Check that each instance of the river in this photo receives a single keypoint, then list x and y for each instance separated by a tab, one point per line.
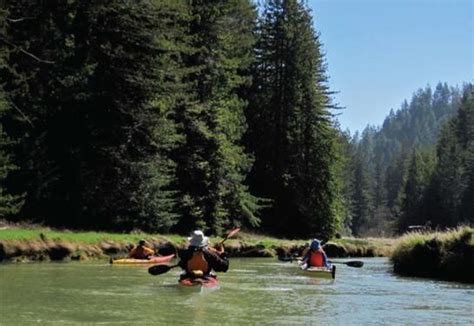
255	291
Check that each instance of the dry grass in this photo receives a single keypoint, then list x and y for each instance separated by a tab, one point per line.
447	255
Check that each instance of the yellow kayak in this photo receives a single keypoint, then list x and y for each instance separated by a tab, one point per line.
321	272
153	260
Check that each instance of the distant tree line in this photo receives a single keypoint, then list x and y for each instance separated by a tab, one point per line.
168	115
416	169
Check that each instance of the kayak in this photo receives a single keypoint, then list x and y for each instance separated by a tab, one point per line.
205	282
321	272
153	260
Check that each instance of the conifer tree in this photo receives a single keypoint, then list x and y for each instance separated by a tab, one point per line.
9	204
361	200
419	173
451	187
290	130
466	137
211	161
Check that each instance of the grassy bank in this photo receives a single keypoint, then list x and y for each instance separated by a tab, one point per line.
20	243
447	255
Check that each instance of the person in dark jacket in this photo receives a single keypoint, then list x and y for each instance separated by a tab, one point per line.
200	260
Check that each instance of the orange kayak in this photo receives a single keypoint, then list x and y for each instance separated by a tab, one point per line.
152	260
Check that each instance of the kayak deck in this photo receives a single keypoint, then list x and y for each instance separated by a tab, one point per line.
153	260
320	272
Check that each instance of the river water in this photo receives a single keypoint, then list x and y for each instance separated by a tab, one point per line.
255	291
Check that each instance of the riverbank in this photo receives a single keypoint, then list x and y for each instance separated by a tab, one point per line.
447	255
19	243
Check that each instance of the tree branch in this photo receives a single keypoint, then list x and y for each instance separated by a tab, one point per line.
21	112
26	52
17	20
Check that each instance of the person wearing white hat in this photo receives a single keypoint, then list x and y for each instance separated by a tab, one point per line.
199	260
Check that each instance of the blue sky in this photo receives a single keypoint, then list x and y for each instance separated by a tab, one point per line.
379	52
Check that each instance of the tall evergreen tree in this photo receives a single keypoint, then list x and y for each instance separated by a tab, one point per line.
419	173
450	200
362	207
9	204
466	137
290	130
211	162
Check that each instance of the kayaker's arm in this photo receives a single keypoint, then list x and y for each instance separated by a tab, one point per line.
325	260
217	263
149	252
217	249
132	252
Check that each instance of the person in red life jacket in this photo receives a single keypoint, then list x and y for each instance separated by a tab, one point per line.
199	260
141	251
315	256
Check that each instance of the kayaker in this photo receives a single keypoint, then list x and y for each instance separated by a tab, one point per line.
314	256
199	260
141	251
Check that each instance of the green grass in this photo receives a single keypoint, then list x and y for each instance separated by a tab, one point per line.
14	234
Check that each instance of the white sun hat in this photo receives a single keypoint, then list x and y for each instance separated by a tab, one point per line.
198	239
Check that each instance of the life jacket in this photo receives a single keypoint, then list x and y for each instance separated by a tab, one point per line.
198	263
316	259
141	252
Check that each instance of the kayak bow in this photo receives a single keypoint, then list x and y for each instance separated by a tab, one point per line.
207	282
320	272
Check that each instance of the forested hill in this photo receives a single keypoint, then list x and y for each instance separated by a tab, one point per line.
416	124
381	155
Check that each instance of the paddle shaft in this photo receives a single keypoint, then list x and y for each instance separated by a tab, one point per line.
352	263
230	234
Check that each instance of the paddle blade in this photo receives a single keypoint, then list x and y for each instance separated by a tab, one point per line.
285	258
355	263
159	269
230	234
233	232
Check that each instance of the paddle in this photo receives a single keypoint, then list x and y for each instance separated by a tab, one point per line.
230	234
286	258
352	263
161	269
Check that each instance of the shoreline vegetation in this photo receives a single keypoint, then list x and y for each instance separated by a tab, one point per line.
441	255
24	244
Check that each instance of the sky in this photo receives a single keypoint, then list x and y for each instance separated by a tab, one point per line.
379	52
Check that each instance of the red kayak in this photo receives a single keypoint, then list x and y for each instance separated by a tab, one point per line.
152	260
200	282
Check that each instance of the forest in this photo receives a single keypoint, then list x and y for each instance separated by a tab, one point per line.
170	115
